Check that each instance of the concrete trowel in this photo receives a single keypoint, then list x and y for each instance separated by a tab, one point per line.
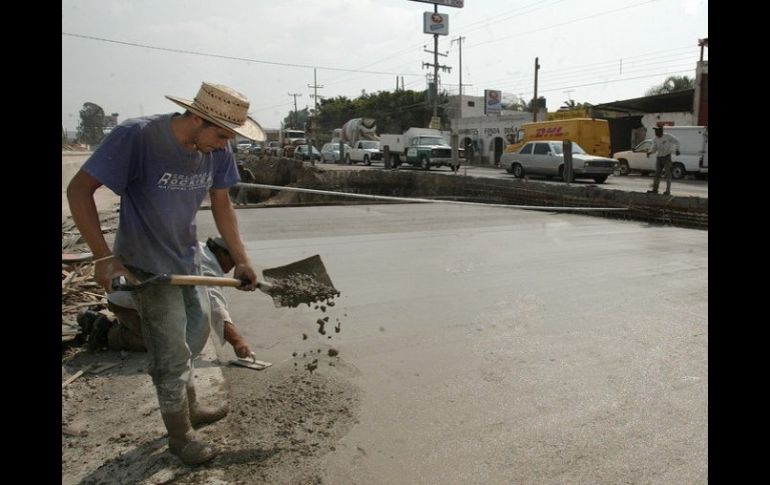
304	281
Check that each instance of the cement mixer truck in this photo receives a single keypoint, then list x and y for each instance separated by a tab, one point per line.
361	135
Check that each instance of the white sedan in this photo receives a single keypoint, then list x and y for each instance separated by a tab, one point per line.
330	152
546	158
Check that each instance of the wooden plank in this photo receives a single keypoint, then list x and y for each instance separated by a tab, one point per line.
97	368
74	376
76	257
79	305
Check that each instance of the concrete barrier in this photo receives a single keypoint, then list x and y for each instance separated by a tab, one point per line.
678	211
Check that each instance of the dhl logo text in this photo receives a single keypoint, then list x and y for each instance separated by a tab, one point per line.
548	132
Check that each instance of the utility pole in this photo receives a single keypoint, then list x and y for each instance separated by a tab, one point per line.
435	67
295	108
534	101
459	41
311	129
315	87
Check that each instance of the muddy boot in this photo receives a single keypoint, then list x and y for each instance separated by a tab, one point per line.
183	442
202	415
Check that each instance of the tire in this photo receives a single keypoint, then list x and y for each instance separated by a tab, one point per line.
623	167
424	163
517	170
678	171
600	179
348	160
366	160
455	168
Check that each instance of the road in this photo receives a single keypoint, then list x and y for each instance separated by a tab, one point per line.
497	345
688	187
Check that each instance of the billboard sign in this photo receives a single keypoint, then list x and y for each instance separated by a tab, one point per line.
446	3
493	102
435	23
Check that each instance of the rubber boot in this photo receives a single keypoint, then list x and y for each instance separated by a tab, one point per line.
183	442
202	415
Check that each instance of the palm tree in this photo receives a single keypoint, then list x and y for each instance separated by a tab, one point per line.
672	84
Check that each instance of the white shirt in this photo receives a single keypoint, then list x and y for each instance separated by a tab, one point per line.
664	145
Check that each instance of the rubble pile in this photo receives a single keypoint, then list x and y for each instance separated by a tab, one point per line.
79	291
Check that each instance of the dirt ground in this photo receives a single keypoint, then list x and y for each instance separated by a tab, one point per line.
282	421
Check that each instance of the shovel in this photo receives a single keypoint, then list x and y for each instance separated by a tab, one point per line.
304	281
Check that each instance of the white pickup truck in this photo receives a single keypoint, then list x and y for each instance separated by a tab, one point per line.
363	151
421	147
692	158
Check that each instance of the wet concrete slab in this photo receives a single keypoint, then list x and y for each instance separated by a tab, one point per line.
497	345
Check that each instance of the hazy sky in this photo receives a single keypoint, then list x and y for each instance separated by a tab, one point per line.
125	55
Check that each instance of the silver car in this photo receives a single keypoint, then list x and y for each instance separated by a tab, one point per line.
546	158
330	152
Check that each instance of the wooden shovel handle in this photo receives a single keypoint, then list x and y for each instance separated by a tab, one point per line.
204	280
214	281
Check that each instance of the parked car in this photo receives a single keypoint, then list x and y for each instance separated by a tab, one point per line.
330	152
273	148
255	149
363	151
636	159
243	146
302	152
546	158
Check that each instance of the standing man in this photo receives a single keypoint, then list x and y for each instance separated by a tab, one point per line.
163	166
663	145
247	176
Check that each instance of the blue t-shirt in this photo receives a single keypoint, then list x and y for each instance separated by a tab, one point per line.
161	185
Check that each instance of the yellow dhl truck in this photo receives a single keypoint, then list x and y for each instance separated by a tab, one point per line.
591	134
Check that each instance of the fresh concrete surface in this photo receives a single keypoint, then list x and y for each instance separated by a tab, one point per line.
499	345
489	345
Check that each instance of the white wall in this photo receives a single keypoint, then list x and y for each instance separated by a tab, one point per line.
487	128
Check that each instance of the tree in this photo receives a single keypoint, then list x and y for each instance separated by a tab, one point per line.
511	102
571	104
297	120
671	84
394	111
540	104
91	127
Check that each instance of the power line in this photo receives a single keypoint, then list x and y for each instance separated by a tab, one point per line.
581	67
220	56
612	81
562	23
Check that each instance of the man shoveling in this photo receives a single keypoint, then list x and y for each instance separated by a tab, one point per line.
125	333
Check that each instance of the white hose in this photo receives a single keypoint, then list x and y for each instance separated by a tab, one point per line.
435	201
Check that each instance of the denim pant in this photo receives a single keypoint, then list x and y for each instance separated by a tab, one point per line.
175	327
660	164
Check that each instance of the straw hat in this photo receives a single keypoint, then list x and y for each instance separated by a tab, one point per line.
225	107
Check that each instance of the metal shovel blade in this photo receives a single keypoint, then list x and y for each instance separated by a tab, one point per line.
304	281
